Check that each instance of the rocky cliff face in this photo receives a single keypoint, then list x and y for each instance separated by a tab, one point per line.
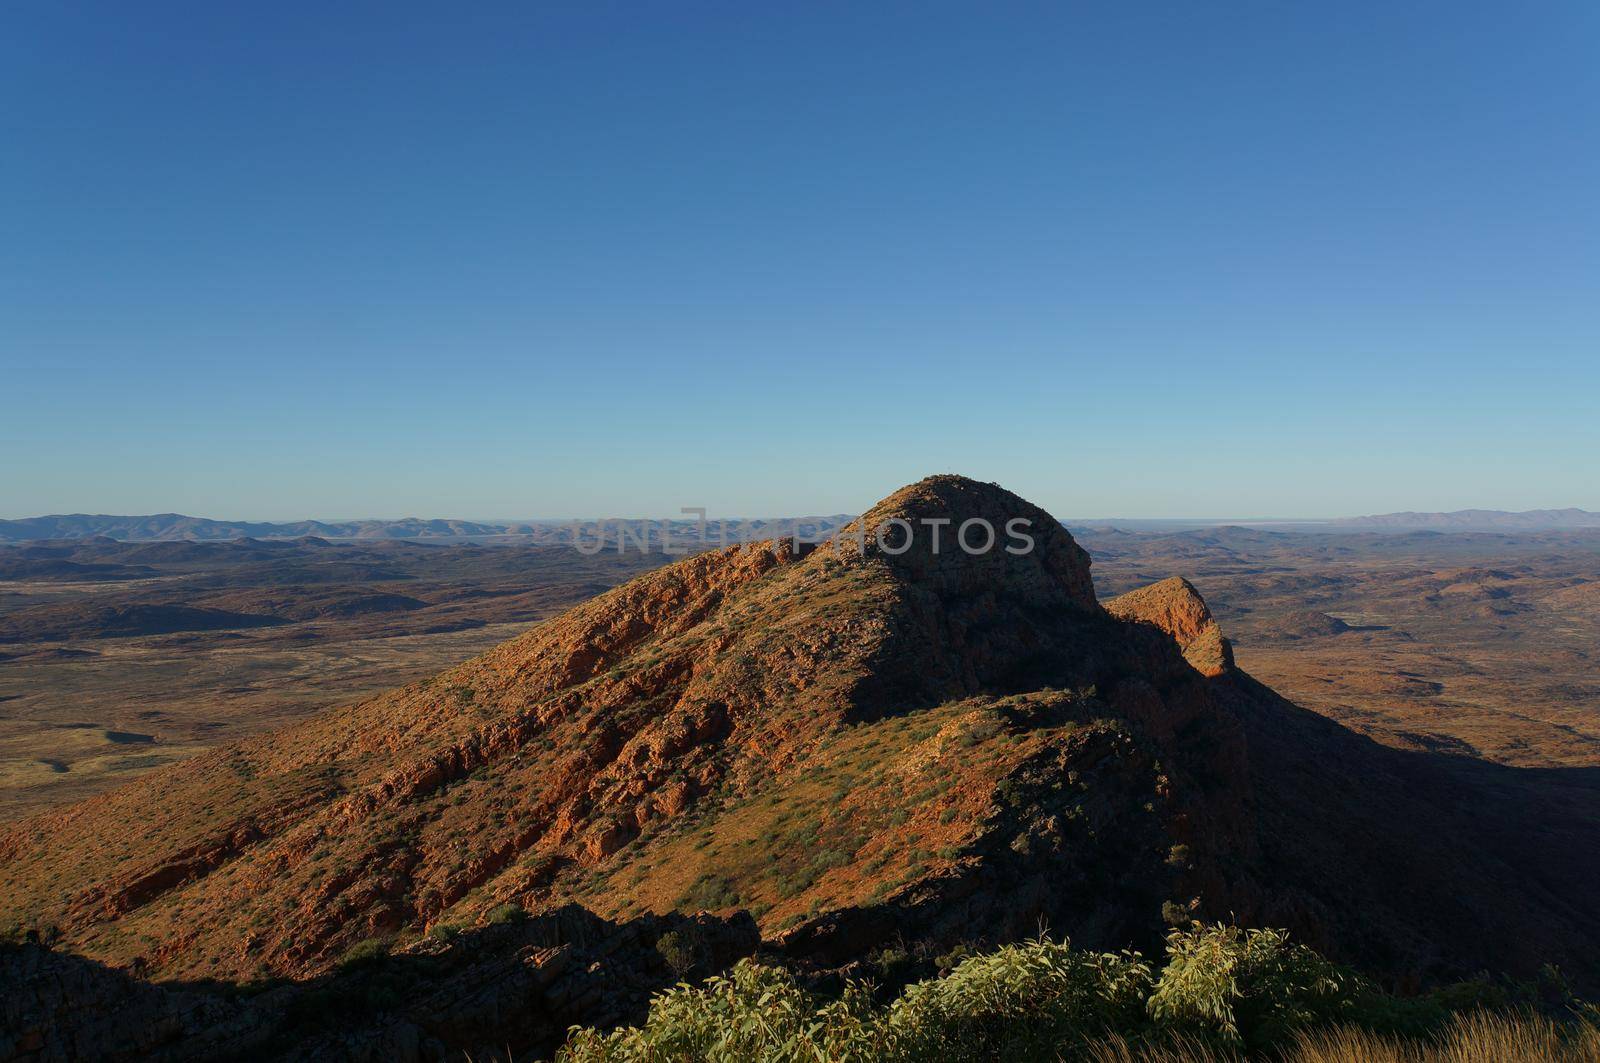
1175	607
877	740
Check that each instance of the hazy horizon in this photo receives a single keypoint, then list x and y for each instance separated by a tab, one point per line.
1067	518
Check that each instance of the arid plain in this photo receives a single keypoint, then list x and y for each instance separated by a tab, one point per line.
174	647
1477	643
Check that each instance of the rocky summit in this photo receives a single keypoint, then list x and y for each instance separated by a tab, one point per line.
815	751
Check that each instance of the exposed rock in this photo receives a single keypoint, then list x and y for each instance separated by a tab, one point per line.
1174	606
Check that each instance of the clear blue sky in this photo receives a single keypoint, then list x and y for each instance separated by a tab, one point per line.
490	260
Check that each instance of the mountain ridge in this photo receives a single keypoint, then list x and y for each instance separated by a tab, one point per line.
1477	519
177	527
161	527
855	747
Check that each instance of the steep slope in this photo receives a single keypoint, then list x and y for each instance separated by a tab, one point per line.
867	743
518	775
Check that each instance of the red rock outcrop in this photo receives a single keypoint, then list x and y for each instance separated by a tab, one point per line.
1174	606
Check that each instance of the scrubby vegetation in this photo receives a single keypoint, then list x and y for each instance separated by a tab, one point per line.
1223	993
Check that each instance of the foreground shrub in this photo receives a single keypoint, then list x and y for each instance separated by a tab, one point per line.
1017	1003
1247	987
1021	1002
1225	994
754	1013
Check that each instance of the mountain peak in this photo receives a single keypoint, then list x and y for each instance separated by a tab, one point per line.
967	536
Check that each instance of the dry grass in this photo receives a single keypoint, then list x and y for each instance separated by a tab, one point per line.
1476	1038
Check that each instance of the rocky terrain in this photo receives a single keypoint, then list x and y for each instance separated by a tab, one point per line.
846	753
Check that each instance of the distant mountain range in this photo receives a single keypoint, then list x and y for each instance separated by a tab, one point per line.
164	526
169	527
176	526
1475	519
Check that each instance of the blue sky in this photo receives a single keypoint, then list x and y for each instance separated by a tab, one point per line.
515	260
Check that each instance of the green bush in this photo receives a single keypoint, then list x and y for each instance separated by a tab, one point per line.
1018	1003
501	914
1232	989
1247	986
680	951
709	893
754	1013
365	953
